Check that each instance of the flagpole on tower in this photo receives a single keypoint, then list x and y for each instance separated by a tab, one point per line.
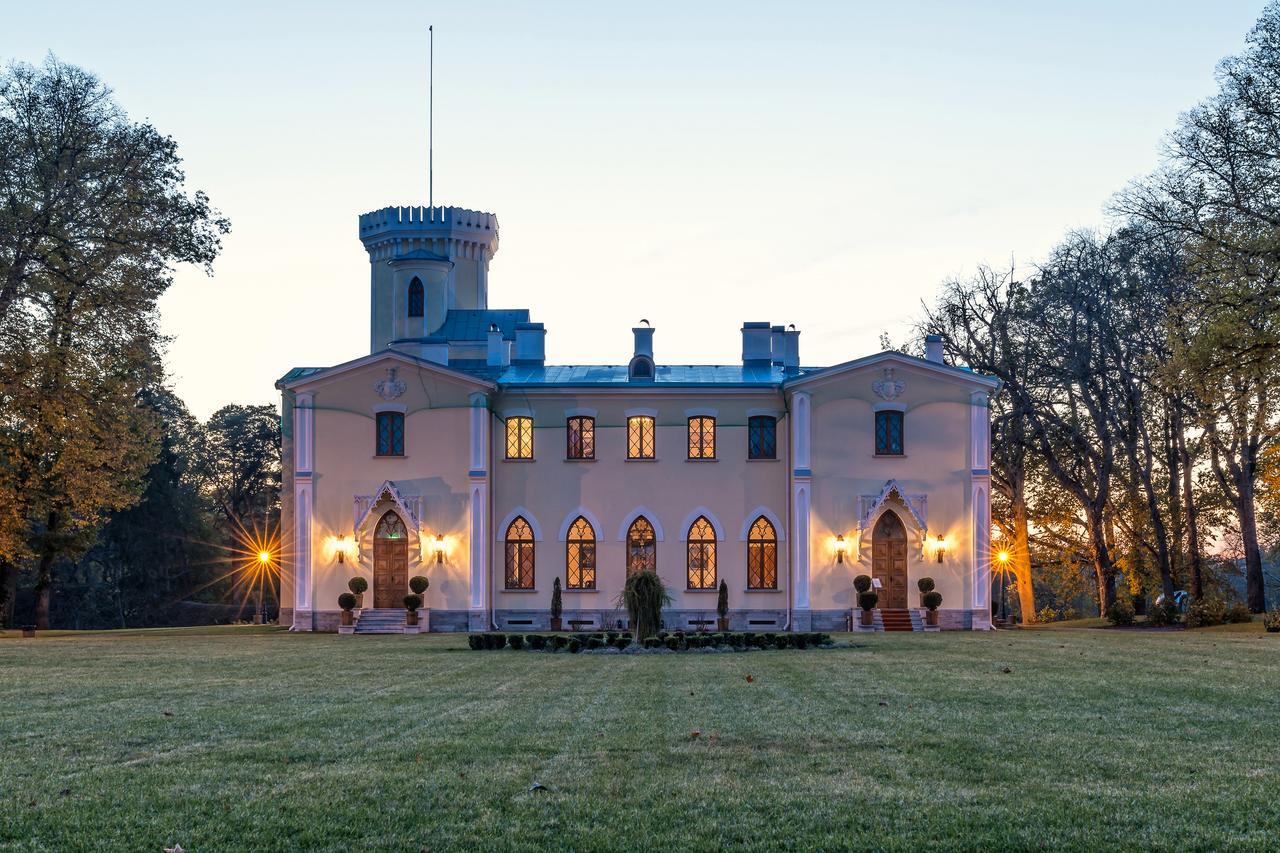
431	115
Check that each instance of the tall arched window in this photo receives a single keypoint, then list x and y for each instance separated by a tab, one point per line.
580	555
519	554
642	547
702	554
762	555
415	298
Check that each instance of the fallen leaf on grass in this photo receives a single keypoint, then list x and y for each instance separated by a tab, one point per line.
1006	669
750	679
695	734
884	704
714	739
168	713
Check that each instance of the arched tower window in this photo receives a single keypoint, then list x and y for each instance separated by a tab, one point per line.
519	554
642	547
580	555
762	555
702	554
416	298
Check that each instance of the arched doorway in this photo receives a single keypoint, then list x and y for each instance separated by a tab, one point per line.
889	560
390	561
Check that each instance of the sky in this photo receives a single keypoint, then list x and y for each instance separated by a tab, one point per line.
694	164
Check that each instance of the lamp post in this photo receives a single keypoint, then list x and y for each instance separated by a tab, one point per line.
264	562
1003	559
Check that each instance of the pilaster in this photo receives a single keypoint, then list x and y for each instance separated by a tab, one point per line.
801	499
980	501
303	510
478	511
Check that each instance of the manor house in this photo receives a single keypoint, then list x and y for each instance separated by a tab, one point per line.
453	450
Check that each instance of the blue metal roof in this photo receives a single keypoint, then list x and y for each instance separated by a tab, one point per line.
667	375
470	324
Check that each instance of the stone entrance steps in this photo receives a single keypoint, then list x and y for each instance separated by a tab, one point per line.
389	620
899	620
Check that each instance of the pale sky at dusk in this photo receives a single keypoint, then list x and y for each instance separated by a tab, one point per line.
823	164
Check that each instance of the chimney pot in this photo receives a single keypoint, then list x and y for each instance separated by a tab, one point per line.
531	344
933	348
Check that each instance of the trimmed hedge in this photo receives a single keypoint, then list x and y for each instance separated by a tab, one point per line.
675	641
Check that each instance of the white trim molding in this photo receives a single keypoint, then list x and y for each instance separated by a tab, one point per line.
633	515
693	516
500	534
391	407
701	412
569	519
751	517
889	407
579	412
641	412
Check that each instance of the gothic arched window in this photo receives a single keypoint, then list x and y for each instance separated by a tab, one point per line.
580	555
642	547
416	298
702	554
762	555
519	554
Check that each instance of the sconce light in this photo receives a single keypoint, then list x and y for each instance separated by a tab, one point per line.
342	549
439	548
940	547
840	548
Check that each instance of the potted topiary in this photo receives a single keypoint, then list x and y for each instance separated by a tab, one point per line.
862	583
722	607
419	585
926	586
932	600
347	602
867	601
412	602
358	586
557	606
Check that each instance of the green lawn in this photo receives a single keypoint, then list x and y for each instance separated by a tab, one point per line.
253	738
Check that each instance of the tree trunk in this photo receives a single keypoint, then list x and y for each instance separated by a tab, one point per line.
1255	591
43	590
1103	570
1189	501
1021	557
8	592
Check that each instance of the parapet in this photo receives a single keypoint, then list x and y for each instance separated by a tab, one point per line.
456	223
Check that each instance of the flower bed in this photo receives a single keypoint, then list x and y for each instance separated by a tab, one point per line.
663	642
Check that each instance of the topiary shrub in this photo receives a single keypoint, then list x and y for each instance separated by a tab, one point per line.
475	641
515	641
673	642
781	641
862	583
621	642
867	599
412	601
358	585
800	641
347	601
557	600
824	639
595	643
722	601
610	636
1271	622
652	643
537	642
644	596
1163	614
419	584
494	641
558	642
925	584
575	645
932	599
1121	612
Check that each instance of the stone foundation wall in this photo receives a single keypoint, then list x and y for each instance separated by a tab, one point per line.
955	620
286	616
612	620
450	621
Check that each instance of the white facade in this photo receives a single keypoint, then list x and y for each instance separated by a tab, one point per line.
509	473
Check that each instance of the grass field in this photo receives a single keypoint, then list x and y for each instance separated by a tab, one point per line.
253	738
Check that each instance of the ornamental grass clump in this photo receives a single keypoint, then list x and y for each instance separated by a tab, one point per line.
644	596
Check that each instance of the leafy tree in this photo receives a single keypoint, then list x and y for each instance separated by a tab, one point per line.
239	465
93	217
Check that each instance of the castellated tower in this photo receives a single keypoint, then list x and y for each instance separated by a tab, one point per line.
424	262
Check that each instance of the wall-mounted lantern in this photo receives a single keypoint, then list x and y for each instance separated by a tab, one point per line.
439	548
341	548
939	547
840	548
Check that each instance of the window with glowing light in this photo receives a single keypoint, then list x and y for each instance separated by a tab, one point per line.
702	438
580	555
580	434
390	428
416	299
642	547
762	555
519	574
520	438
762	437
640	444
889	433
702	554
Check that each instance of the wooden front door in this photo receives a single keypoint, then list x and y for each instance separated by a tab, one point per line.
889	560
390	562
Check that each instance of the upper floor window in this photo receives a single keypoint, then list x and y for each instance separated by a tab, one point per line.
390	428
642	547
640	437
580	433
580	555
416	298
702	554
889	433
520	438
519	573
762	555
702	438
762	437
